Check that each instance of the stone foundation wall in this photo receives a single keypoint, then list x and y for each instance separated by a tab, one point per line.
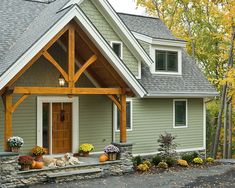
12	177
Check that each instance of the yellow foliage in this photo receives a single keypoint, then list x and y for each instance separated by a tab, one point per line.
198	160
143	167
182	163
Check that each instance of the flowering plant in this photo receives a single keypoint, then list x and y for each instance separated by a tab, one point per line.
25	160
198	160
15	141
111	149
86	147
38	150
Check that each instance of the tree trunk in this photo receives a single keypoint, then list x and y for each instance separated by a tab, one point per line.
230	124
225	130
218	129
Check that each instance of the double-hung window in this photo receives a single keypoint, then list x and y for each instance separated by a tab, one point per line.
166	61
180	113
128	116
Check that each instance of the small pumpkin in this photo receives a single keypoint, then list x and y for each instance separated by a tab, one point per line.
39	165
33	164
103	158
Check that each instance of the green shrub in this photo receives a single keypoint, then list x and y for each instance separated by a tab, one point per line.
189	157
162	165
156	160
137	161
167	145
170	161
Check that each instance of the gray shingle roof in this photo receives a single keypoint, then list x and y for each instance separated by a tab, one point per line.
191	81
22	23
149	26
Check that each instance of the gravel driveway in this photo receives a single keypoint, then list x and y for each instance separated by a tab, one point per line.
216	176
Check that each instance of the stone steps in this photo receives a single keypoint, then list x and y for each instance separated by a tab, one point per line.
74	175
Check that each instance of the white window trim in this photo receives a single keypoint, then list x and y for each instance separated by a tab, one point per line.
75	123
139	70
185	126
121	44
170	49
115	116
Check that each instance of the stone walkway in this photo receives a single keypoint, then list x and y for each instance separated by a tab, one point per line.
185	178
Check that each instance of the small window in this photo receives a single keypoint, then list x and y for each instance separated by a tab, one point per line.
117	48
180	113
128	116
166	61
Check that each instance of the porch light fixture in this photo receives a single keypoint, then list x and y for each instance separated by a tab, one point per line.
61	81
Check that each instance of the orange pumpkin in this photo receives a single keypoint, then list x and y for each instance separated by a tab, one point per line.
33	164
103	158
39	165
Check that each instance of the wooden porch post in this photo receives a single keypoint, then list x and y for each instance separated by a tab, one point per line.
71	56
123	119
8	120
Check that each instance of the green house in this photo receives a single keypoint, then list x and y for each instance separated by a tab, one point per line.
75	71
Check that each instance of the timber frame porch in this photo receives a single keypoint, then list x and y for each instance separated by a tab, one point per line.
95	65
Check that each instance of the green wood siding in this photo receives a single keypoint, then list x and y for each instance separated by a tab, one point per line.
109	34
152	117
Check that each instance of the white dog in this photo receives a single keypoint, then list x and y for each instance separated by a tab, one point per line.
68	158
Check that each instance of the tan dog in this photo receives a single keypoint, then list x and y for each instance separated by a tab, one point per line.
71	160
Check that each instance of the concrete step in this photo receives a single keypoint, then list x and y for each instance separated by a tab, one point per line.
74	173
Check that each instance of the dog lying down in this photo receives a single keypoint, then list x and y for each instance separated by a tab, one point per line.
68	159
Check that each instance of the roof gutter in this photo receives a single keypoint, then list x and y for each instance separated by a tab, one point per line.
181	95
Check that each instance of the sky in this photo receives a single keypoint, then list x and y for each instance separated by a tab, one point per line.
126	6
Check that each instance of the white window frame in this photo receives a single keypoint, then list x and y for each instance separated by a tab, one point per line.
121	44
75	122
175	100
115	116
169	49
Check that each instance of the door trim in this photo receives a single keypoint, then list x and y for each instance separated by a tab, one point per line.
75	114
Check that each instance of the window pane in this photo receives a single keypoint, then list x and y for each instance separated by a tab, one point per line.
117	49
160	60
180	113
128	116
46	123
172	61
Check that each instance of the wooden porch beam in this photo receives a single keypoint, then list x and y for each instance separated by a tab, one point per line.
68	91
14	107
123	119
57	66
91	60
115	101
8	120
71	56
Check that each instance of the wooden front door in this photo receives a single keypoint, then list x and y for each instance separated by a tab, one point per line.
61	127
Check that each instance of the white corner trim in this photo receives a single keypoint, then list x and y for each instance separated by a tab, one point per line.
165	48
204	122
91	31
185	126
178	150
121	45
115	110
136	48
75	122
162	42
139	70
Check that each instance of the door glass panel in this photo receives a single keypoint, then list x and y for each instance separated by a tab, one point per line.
46	125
